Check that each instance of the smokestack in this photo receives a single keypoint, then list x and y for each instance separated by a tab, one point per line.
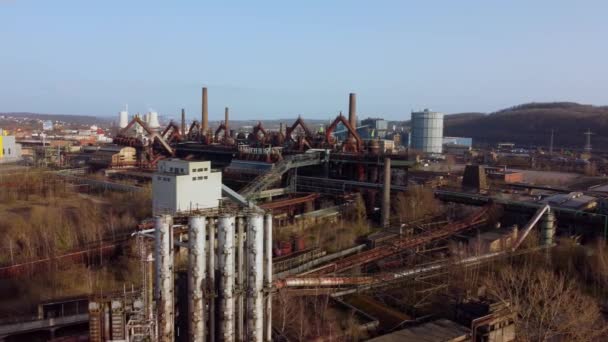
227	130
352	110
196	277
386	193
205	113
183	122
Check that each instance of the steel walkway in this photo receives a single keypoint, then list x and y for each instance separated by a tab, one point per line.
265	180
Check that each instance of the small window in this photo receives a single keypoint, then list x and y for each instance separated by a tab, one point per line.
199	170
205	177
193	170
9	150
170	169
200	177
194	178
160	178
182	171
206	169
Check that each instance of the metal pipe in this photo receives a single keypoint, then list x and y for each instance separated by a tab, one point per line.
205	113
183	122
255	249
226	267
324	281
240	273
226	129
196	277
528	227
386	193
211	279
268	276
164	260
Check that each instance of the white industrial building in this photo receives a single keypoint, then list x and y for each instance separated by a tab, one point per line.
427	132
10	151
181	185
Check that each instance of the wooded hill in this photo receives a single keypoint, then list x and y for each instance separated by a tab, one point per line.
531	124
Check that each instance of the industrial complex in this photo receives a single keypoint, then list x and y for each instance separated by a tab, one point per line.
349	230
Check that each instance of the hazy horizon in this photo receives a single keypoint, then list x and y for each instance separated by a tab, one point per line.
271	60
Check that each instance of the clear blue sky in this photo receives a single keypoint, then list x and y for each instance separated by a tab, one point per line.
277	59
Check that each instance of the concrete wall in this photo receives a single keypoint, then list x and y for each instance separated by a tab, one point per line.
10	151
181	185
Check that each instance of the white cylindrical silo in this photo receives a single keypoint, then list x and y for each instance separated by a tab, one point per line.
427	131
196	277
164	279
255	259
153	120
268	276
240	278
225	230
123	119
211	227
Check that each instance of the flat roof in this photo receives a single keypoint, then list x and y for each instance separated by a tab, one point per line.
441	330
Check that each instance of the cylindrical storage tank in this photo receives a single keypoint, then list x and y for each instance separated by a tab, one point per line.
547	228
197	238
427	131
123	119
226	230
255	265
268	276
153	120
164	278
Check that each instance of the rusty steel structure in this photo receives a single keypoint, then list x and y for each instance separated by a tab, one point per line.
401	244
153	146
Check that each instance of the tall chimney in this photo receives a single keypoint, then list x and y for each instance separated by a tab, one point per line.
205	113
227	130
386	194
352	110
183	122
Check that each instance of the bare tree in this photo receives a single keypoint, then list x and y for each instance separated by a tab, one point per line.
547	305
414	204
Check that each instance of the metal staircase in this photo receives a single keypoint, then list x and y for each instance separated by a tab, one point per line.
266	179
